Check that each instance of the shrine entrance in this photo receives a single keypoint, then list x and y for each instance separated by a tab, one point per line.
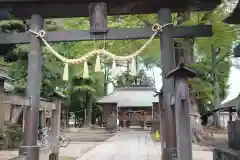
136	117
165	30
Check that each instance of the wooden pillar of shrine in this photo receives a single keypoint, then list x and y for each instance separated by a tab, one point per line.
182	99
168	61
35	61
55	127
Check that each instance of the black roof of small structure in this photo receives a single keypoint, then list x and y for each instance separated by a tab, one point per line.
225	107
79	8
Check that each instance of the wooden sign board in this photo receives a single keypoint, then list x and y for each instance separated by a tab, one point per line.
98	17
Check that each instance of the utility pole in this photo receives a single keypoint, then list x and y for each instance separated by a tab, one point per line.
216	101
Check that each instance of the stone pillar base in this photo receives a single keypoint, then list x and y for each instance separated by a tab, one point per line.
169	154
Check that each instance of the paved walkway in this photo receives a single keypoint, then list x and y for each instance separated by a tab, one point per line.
126	145
131	145
75	150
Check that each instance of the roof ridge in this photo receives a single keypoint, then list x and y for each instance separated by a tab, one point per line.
134	89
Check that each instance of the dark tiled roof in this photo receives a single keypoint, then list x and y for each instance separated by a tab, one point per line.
4	74
232	103
131	97
8	87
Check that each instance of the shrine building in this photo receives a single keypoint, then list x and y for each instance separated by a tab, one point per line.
134	106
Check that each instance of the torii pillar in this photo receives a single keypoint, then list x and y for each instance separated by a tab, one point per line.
35	61
168	135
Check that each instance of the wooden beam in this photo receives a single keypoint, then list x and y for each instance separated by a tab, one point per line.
74	8
113	34
24	101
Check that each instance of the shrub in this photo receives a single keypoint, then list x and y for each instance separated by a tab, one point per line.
14	135
2	139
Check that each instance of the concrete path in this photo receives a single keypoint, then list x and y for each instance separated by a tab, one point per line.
126	145
75	150
132	145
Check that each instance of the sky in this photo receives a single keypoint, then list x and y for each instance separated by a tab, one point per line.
233	90
234	86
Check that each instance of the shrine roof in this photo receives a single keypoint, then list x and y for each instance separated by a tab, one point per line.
79	8
131	97
4	74
231	103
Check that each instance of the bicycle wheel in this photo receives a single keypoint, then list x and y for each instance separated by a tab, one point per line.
66	137
39	144
61	141
66	140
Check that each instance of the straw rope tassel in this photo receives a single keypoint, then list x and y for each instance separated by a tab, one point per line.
133	67
114	68
65	72
98	64
85	71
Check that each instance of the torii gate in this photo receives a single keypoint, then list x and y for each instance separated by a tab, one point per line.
37	9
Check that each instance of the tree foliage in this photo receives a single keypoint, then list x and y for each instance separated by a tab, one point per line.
140	80
80	91
224	37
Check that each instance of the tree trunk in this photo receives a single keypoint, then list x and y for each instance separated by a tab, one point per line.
89	109
127	76
105	80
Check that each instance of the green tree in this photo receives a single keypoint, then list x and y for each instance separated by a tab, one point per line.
140	80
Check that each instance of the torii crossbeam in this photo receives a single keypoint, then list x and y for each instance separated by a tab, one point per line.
112	34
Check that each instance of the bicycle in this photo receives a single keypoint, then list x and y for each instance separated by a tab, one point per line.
45	138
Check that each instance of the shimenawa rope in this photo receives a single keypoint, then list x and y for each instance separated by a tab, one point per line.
156	28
